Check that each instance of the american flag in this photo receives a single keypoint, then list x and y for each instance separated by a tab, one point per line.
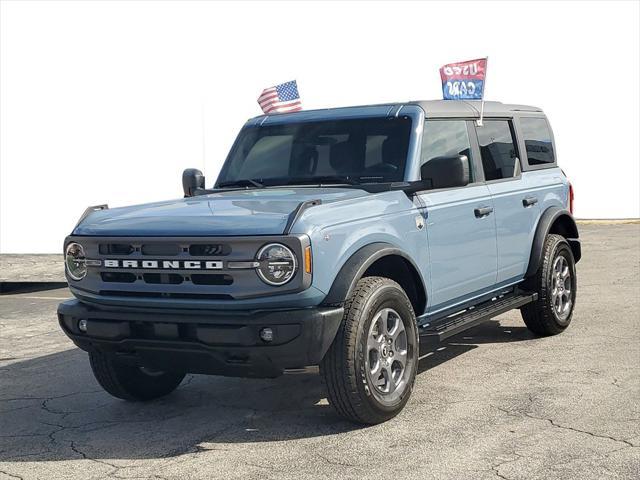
283	98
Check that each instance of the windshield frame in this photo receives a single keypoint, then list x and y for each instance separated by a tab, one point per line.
414	112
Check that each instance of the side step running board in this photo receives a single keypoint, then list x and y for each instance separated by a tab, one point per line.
474	316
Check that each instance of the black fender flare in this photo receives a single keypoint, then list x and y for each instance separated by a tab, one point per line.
355	267
546	222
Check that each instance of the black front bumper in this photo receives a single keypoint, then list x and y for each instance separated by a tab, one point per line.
213	342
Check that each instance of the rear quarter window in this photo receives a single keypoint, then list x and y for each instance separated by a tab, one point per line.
537	140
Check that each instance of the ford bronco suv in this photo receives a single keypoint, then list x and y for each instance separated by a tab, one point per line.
341	238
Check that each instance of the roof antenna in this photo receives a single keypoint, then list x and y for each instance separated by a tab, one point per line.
204	144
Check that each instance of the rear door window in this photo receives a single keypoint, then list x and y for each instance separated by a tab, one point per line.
498	149
537	139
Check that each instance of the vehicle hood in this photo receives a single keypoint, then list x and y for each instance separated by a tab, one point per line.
240	212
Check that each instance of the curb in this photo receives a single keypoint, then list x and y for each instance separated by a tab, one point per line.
609	221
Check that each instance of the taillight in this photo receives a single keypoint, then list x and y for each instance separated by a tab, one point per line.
571	198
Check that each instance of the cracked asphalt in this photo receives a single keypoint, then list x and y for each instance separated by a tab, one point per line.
494	402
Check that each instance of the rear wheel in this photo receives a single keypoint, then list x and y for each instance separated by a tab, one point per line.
371	365
556	284
130	382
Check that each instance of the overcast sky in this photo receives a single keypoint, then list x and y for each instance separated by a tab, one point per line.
107	102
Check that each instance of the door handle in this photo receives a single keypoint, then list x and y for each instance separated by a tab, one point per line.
529	201
482	211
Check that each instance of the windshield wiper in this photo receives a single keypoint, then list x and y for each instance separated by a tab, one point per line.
245	182
320	180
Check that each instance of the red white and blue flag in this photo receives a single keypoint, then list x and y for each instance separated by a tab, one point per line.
283	98
464	80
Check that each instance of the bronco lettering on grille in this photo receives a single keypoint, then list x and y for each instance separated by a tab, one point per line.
165	264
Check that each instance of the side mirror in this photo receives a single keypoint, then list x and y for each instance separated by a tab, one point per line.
192	181
445	172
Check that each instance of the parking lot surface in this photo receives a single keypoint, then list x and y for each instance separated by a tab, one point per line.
493	402
31	268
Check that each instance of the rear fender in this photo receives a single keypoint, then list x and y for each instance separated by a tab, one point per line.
553	220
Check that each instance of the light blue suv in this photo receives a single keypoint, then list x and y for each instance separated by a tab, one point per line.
340	238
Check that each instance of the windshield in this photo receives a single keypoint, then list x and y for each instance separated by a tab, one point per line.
368	150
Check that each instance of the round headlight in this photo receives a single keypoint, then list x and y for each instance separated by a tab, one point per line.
277	264
75	261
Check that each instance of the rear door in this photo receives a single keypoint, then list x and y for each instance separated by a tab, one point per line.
515	201
460	225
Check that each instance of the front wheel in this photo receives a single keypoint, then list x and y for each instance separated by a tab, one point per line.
370	368
556	284
130	382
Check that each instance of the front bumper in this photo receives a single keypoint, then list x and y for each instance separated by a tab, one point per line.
209	342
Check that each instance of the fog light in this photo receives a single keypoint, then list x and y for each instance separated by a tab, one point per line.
266	334
82	325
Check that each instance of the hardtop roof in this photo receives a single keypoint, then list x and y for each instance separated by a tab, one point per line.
432	109
449	108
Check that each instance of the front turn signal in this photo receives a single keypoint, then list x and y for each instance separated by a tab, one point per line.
307	260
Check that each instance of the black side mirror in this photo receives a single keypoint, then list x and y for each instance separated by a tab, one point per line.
192	181
445	172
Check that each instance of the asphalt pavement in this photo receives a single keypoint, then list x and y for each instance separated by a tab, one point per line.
493	402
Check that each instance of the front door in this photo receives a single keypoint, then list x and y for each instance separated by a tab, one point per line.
460	222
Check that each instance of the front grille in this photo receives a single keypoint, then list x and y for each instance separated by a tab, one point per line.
183	268
166	249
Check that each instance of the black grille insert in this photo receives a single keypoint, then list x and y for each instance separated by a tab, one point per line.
115	249
209	250
118	277
211	279
163	278
166	249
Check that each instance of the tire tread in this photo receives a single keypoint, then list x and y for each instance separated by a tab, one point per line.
128	382
537	315
338	367
106	376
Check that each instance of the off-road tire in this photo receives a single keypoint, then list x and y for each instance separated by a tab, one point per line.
129	382
541	316
343	366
